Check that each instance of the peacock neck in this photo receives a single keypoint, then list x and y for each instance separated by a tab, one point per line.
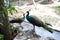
27	16
23	16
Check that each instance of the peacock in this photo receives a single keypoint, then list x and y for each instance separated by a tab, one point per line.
37	22
18	20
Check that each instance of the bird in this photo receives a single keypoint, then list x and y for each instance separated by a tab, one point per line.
37	22
18	20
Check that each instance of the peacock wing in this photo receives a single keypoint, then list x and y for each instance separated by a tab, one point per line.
38	21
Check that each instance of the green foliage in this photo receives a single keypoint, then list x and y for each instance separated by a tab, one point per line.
5	10
57	7
4	22
1	37
11	9
59	1
11	28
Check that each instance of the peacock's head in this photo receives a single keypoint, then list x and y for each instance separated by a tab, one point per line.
28	11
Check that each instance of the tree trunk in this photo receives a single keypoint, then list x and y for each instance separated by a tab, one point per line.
5	27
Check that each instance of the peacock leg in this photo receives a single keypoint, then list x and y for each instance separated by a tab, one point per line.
34	29
34	34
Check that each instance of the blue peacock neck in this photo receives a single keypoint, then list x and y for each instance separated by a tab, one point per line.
27	16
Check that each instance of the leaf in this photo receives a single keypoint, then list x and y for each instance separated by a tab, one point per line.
1	24
11	9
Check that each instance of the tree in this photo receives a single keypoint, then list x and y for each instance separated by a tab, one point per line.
4	18
4	22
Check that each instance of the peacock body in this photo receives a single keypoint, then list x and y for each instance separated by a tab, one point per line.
37	22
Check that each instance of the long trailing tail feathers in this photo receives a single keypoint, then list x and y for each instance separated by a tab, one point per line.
47	28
